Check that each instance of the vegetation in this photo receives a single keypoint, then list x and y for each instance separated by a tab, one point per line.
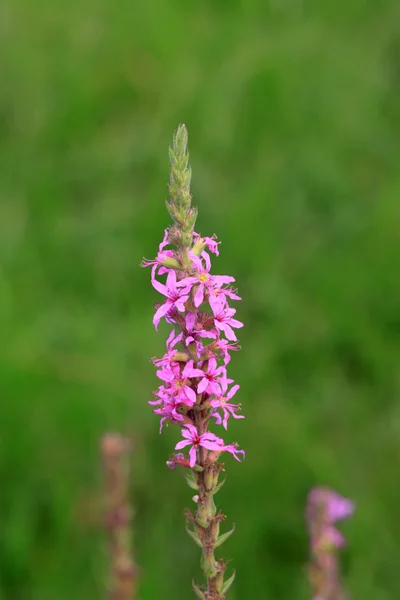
293	115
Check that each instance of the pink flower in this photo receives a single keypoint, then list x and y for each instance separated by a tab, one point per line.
223	345
195	331
203	277
223	318
334	506
222	402
175	297
160	394
210	380
339	508
220	294
177	459
233	449
210	242
170	411
171	351
179	384
193	439
324	508
162	255
331	537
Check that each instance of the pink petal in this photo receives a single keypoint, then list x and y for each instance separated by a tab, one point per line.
212	437
196	261
230	334
199	295
211	445
190	320
189	371
161	312
202	385
192	456
235	323
187	282
170	338
160	287
217	305
232	391
182	444
221	280
212	365
171	280
192	429
207	260
191	394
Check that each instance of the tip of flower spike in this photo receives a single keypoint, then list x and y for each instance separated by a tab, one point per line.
179	206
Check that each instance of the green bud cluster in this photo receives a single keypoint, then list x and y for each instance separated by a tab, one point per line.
180	204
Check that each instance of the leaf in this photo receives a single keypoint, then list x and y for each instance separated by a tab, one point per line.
194	537
222	538
198	592
228	583
218	487
191	482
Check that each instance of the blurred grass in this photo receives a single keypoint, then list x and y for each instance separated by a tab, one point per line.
293	116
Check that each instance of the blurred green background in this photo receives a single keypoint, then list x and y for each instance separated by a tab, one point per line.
293	114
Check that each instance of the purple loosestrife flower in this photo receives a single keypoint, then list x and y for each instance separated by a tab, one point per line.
203	279
179	381
324	508
170	356
192	437
195	331
212	378
209	441
195	387
165	259
223	318
208	242
175	297
221	402
224	346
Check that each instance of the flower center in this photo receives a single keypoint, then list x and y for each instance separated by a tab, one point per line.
203	277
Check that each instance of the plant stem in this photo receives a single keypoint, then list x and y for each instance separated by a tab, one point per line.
123	572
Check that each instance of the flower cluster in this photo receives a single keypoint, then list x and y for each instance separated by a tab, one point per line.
195	389
193	370
324	508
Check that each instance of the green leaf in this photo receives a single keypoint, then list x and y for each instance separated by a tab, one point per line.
194	537
222	538
198	592
228	583
218	487
191	482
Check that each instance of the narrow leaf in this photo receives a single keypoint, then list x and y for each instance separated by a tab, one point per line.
222	538
191	482
218	487
228	583
194	537
198	592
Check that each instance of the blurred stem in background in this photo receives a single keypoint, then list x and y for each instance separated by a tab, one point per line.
324	508
118	514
